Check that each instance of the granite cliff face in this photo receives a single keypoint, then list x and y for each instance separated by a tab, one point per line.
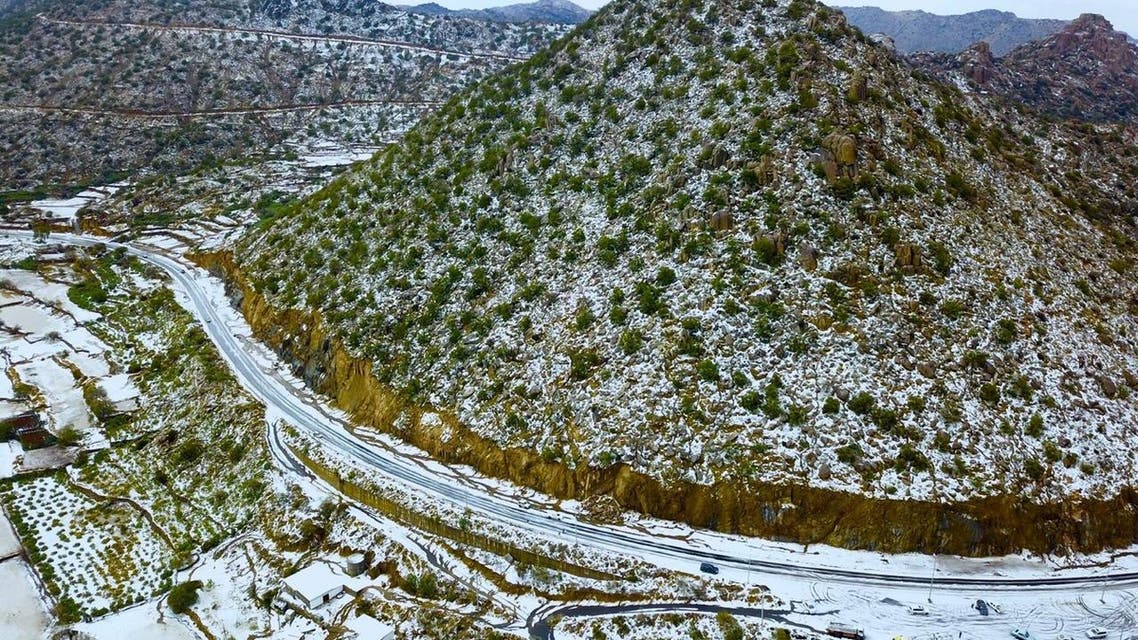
1087	71
914	31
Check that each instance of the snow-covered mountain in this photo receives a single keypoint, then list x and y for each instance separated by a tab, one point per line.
711	256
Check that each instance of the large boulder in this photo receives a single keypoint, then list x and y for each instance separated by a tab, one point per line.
907	257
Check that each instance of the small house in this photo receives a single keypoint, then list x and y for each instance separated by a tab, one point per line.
368	628
29	430
22	420
316	585
35	437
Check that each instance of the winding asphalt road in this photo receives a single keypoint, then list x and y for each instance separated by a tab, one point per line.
540	628
288	404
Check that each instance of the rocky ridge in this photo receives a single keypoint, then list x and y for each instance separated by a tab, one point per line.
737	245
1087	71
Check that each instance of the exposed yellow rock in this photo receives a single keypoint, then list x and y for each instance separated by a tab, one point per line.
843	147
805	514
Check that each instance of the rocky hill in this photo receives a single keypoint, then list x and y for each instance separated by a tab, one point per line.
716	257
1086	71
93	91
548	11
922	31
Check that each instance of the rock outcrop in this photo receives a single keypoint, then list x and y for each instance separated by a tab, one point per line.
1086	71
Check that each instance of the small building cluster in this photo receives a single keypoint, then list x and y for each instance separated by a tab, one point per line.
28	428
320	583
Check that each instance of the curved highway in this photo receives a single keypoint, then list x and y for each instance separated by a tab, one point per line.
285	401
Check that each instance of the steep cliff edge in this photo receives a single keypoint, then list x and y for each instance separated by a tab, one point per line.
993	526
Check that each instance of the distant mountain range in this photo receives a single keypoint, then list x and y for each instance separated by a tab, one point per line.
922	31
10	8
548	11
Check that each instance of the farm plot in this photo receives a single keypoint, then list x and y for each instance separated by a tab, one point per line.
48	347
94	555
172	465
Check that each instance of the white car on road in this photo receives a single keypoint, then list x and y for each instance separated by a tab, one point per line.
1096	633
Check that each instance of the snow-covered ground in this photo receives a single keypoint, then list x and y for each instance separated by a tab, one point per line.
6	391
9	408
331	154
48	292
9	452
120	389
66	209
9	544
26	319
146	621
109	554
46	343
223	601
22	614
881	609
64	400
90	365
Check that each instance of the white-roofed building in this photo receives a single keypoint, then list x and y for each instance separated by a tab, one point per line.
316	584
368	628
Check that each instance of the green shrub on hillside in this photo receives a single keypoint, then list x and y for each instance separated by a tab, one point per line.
183	596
